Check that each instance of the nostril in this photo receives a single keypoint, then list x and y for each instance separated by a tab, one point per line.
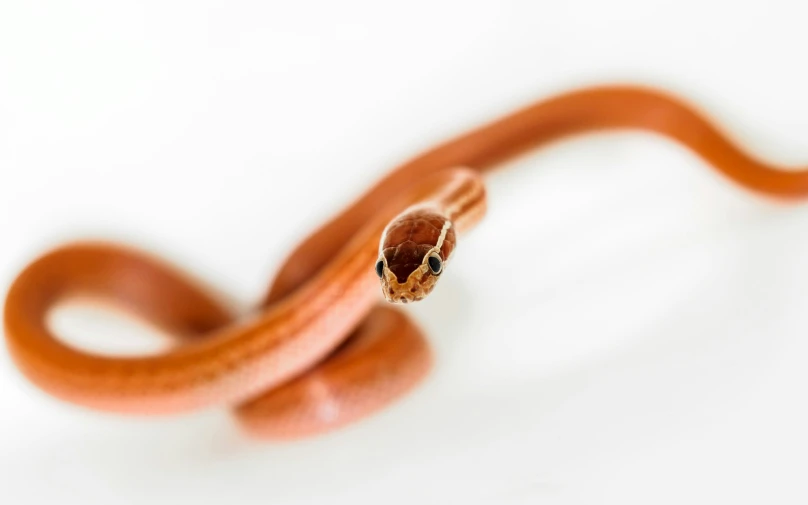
392	292
403	300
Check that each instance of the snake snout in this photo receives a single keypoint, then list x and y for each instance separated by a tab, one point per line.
397	293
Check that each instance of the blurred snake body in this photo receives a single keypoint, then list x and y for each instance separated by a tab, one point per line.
323	349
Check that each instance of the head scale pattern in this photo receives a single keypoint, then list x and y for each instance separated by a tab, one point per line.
415	248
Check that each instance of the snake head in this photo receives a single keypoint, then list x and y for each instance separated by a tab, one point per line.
414	250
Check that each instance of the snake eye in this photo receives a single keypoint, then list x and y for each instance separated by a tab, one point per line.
380	268
435	264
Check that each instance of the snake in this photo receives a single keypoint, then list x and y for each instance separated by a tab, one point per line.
322	349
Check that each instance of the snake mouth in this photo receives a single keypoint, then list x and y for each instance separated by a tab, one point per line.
396	298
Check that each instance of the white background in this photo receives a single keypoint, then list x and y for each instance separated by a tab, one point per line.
624	327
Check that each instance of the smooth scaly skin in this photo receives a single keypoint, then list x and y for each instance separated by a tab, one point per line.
265	363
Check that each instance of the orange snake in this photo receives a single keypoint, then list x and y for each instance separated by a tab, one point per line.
290	367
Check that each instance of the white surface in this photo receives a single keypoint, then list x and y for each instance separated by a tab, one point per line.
640	339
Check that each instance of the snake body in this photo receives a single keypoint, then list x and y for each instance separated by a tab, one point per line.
320	350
